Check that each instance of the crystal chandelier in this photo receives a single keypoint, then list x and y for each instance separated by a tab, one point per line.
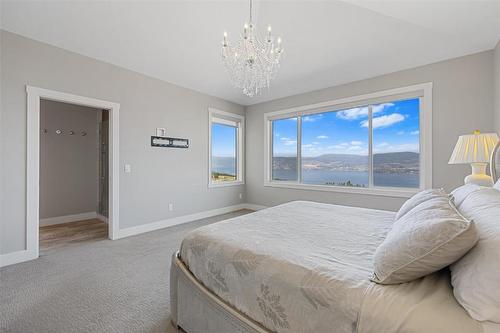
251	62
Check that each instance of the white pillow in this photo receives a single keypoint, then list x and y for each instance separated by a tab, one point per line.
427	238
476	277
460	193
418	199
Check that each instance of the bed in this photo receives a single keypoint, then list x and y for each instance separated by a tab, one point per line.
303	267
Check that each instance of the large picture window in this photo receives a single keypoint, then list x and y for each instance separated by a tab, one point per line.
380	144
225	148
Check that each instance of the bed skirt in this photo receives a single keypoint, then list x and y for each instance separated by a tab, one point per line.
195	309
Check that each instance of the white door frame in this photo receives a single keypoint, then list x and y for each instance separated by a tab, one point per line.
34	96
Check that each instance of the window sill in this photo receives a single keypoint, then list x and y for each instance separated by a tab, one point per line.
386	192
226	184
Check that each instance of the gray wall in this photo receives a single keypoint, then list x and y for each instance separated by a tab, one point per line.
462	102
69	164
159	175
497	87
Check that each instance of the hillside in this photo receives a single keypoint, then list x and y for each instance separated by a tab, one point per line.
385	162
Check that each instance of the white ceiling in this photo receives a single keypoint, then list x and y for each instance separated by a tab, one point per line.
326	43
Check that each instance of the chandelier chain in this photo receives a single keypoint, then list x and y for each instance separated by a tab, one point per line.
250	12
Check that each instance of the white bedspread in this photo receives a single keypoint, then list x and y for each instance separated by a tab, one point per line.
305	267
297	267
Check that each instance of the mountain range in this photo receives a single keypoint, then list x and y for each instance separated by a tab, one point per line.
398	162
384	162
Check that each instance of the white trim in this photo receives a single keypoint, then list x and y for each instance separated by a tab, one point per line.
254	206
16	257
34	95
238	121
226	183
423	90
357	100
140	229
426	137
102	218
382	191
68	218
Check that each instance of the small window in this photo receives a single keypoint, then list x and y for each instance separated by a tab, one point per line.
225	148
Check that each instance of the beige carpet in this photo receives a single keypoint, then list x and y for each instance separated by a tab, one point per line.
101	286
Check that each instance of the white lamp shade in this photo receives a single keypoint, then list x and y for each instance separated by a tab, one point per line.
473	148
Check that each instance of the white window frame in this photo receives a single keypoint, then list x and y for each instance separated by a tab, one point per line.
422	91
231	119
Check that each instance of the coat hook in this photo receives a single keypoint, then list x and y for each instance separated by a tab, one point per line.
71	133
58	131
84	133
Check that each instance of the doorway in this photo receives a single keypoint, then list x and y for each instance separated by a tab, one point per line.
73	174
35	97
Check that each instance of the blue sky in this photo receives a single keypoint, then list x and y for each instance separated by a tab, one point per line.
223	140
395	127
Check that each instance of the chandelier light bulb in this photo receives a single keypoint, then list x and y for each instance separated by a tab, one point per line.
224	43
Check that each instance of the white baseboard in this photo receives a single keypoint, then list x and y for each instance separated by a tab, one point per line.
16	257
25	255
68	218
254	207
102	218
140	229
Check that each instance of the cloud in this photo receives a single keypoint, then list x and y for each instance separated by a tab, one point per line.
360	112
313	118
384	121
322	136
353	114
345	147
315	143
288	141
401	132
383	144
417	132
391	148
336	147
381	107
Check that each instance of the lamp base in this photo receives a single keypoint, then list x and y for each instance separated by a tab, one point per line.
479	176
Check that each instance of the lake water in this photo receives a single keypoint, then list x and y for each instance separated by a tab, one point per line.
327	177
231	170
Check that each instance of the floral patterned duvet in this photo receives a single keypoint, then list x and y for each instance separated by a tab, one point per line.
297	267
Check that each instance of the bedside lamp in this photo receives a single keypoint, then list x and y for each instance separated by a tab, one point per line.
475	149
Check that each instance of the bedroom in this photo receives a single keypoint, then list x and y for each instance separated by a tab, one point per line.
364	111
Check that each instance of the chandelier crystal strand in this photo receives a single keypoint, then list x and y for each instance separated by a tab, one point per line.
252	63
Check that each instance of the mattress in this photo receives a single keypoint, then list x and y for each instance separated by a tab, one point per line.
296	267
306	267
